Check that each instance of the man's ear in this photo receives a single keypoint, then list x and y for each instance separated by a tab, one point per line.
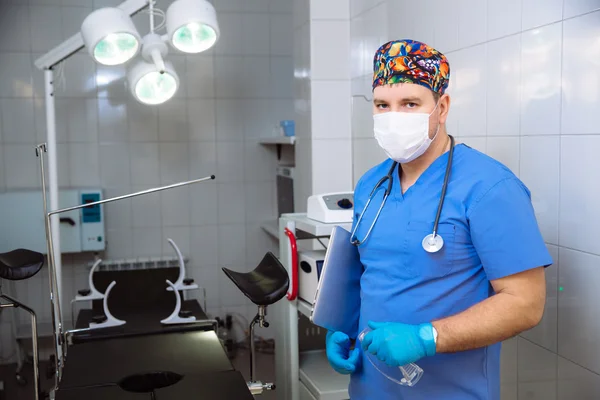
444	108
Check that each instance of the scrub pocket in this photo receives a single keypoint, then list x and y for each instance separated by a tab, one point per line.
419	263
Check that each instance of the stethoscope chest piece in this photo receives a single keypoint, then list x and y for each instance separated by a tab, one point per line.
433	244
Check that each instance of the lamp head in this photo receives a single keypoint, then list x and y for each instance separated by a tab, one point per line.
110	36
192	25
150	85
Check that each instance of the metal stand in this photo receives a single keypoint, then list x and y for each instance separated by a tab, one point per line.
59	345
36	372
257	387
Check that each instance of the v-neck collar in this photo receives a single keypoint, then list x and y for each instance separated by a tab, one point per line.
437	165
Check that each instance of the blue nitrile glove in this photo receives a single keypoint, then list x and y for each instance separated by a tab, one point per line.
341	358
399	344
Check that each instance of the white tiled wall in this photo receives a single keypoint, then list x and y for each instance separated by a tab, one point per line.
525	89
322	90
229	97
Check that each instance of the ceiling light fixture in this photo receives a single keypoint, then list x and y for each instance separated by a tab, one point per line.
153	80
110	36
151	86
192	25
112	39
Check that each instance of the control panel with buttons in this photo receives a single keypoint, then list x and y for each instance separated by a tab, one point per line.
92	221
331	207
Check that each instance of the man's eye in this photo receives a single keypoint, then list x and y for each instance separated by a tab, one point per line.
382	106
411	105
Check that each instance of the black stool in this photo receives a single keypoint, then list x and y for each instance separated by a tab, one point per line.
18	265
265	285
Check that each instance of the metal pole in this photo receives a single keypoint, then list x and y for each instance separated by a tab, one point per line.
36	355
127	196
151	9
36	371
252	355
53	172
56	321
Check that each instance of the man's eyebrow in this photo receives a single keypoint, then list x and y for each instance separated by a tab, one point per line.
403	100
411	98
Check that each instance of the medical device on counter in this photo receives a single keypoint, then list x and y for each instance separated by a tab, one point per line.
331	207
309	272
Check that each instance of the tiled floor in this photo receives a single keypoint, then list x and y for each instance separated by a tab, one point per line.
265	371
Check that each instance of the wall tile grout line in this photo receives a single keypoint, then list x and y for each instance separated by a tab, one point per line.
523	31
560	153
558	356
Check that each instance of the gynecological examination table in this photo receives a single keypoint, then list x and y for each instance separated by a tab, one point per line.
146	358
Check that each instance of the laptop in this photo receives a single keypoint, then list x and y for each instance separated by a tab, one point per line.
337	300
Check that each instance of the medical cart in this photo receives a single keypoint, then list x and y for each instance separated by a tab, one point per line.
301	375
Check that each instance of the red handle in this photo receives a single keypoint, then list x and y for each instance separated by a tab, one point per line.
294	281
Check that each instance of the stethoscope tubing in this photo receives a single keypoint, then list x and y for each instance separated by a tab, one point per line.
389	177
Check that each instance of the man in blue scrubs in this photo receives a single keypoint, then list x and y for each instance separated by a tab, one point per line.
446	311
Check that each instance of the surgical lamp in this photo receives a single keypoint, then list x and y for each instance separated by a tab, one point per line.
192	25
150	86
110	36
112	39
153	80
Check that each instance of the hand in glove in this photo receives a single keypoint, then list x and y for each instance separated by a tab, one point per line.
341	358
399	344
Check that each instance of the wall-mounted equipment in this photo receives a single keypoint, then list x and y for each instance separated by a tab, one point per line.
21	215
331	208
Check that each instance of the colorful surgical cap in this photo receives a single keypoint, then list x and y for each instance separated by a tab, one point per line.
409	61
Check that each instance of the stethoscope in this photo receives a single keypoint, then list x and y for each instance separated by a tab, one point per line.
433	242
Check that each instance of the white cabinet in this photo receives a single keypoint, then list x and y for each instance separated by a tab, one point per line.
301	375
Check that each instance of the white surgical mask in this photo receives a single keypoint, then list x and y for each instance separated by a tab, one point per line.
404	136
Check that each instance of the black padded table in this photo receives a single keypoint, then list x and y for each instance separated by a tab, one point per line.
108	361
98	360
227	385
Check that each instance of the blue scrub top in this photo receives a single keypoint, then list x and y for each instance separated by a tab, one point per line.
489	230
